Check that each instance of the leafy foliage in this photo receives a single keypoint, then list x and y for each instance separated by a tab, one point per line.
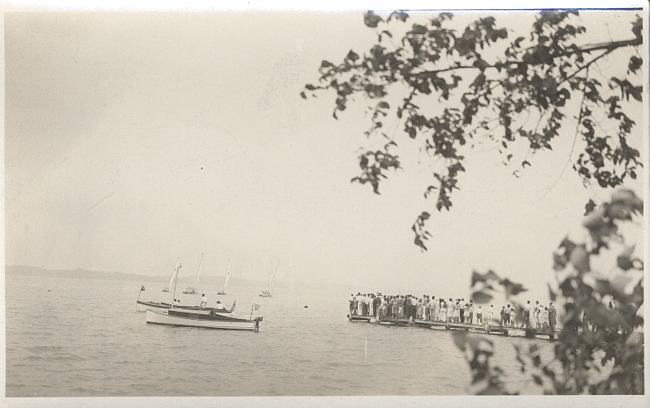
479	83
600	349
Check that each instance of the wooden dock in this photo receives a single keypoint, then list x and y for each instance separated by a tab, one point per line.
546	333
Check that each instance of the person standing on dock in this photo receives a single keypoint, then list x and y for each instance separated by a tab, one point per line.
461	310
536	312
351	300
552	316
527	314
543	318
366	304
414	306
383	307
502	314
470	312
479	315
204	301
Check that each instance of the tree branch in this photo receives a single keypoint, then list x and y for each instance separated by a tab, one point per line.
610	46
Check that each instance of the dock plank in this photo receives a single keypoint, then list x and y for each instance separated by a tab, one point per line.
474	328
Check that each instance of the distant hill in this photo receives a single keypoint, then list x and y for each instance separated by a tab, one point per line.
23	270
162	280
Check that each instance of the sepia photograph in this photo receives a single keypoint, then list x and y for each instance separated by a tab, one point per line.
336	205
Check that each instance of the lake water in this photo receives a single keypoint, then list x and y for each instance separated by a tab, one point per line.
83	337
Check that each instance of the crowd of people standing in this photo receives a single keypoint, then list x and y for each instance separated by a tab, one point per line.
451	310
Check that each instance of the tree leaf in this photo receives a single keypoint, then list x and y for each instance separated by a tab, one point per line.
481	298
371	19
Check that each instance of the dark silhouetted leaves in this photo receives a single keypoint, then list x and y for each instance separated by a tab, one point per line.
371	19
481	297
398	15
589	207
534	76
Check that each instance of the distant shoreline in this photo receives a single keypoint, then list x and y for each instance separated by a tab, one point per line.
80	273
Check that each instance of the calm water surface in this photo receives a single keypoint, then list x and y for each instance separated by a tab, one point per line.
83	337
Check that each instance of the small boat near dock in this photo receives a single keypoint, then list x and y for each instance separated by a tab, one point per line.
212	320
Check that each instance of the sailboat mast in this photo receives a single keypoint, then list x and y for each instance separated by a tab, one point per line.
272	283
198	273
175	277
171	280
225	282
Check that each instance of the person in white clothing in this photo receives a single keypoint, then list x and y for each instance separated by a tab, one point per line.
204	301
490	317
536	312
543	320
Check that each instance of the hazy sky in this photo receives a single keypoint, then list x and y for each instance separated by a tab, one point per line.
134	139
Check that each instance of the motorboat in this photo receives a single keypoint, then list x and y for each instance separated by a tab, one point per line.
212	320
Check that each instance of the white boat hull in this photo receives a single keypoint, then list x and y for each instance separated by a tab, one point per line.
142	306
196	320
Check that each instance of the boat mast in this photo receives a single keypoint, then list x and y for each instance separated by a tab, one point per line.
171	281
175	282
272	281
198	274
225	282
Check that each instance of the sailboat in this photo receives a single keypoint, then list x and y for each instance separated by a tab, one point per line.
269	293
208	318
225	282
193	289
143	305
174	275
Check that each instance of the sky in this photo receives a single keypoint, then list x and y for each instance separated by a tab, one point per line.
134	139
